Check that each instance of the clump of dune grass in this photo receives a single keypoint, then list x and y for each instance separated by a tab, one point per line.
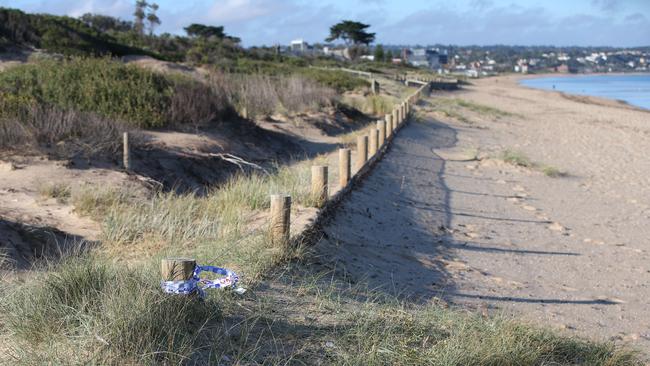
222	227
455	108
516	158
95	203
481	108
553	172
59	191
376	105
88	311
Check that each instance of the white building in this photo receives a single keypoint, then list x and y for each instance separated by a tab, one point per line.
299	46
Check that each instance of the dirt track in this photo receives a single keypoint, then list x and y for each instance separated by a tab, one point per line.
432	222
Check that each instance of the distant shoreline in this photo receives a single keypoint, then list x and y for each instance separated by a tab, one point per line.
583	98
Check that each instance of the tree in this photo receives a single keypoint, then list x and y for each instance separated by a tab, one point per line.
389	56
196	30
152	18
106	23
351	32
379	53
139	14
206	31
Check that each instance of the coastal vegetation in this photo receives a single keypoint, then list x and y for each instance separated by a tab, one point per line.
101	303
518	158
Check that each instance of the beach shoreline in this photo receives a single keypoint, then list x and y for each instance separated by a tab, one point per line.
600	99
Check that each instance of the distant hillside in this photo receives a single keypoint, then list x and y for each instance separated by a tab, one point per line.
58	34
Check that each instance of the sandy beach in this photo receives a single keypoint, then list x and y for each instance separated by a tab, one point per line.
443	216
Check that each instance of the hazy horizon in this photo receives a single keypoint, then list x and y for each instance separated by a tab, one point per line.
615	23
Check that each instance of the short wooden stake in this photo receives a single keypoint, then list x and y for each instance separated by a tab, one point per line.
280	218
374	139
319	184
381	126
396	117
362	151
177	269
126	152
389	124
344	167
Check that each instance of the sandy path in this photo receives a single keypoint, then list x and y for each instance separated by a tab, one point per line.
570	253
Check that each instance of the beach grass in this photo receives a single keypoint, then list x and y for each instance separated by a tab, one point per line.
102	312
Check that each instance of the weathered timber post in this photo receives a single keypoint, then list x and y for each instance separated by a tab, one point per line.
381	126
177	269
374	86
344	167
396	117
126	152
400	116
319	184
280	218
374	139
362	151
389	124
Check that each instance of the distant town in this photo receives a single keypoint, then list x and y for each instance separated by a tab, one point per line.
476	61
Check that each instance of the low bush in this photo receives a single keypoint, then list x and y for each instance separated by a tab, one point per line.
262	95
60	132
339	80
139	97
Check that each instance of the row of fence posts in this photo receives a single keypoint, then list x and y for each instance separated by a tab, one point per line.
369	147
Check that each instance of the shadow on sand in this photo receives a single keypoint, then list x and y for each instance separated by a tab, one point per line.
391	233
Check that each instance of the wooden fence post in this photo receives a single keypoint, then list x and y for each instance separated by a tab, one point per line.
362	151
374	138
280	218
126	152
374	86
389	124
381	126
177	269
344	167
396	117
400	115
319	184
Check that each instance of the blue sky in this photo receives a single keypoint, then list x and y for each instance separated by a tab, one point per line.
463	22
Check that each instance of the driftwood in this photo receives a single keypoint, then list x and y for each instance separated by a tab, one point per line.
241	163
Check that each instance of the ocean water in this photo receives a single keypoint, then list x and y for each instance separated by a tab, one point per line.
634	89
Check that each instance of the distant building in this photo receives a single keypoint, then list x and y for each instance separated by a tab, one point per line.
429	58
299	46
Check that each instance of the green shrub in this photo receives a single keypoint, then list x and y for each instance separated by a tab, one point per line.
60	34
338	80
140	97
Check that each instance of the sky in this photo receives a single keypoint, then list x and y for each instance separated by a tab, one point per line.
619	23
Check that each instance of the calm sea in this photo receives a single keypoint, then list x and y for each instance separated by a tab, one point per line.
634	89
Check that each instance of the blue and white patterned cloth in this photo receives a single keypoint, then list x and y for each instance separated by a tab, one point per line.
198	284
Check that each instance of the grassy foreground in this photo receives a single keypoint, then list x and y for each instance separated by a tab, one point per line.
90	308
89	311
